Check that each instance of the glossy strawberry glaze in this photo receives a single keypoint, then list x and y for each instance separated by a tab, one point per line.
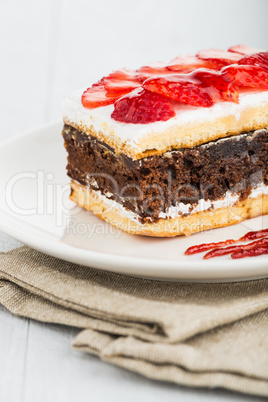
219	249
202	87
209	77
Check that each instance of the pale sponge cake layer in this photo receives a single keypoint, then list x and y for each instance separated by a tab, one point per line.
182	225
190	127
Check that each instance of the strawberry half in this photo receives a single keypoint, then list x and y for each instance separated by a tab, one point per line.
141	107
243	49
219	56
202	87
96	96
247	76
185	64
256	59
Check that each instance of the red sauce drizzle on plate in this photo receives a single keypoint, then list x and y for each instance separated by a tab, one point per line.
250	253
218	252
253	249
208	246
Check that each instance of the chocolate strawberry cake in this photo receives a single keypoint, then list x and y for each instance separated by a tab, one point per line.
172	149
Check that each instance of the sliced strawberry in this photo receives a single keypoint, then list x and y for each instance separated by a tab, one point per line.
152	70
96	96
217	86
243	49
184	64
219	56
123	74
141	107
121	82
179	87
202	87
247	76
256	59
119	86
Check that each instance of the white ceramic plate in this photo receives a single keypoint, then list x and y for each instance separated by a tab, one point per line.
35	209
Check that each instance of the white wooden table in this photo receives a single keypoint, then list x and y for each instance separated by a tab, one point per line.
49	48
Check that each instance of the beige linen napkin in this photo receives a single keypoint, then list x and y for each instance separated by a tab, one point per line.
193	334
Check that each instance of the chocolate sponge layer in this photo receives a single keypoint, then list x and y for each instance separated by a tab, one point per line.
151	185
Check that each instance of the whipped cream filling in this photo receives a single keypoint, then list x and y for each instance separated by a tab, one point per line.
202	205
131	134
181	209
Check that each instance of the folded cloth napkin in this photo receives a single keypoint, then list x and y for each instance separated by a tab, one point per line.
209	335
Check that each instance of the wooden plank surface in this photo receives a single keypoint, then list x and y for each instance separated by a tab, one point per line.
48	48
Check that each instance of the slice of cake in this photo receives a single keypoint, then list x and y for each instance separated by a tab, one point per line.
172	149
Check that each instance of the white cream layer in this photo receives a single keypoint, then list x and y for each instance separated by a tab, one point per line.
181	209
131	134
